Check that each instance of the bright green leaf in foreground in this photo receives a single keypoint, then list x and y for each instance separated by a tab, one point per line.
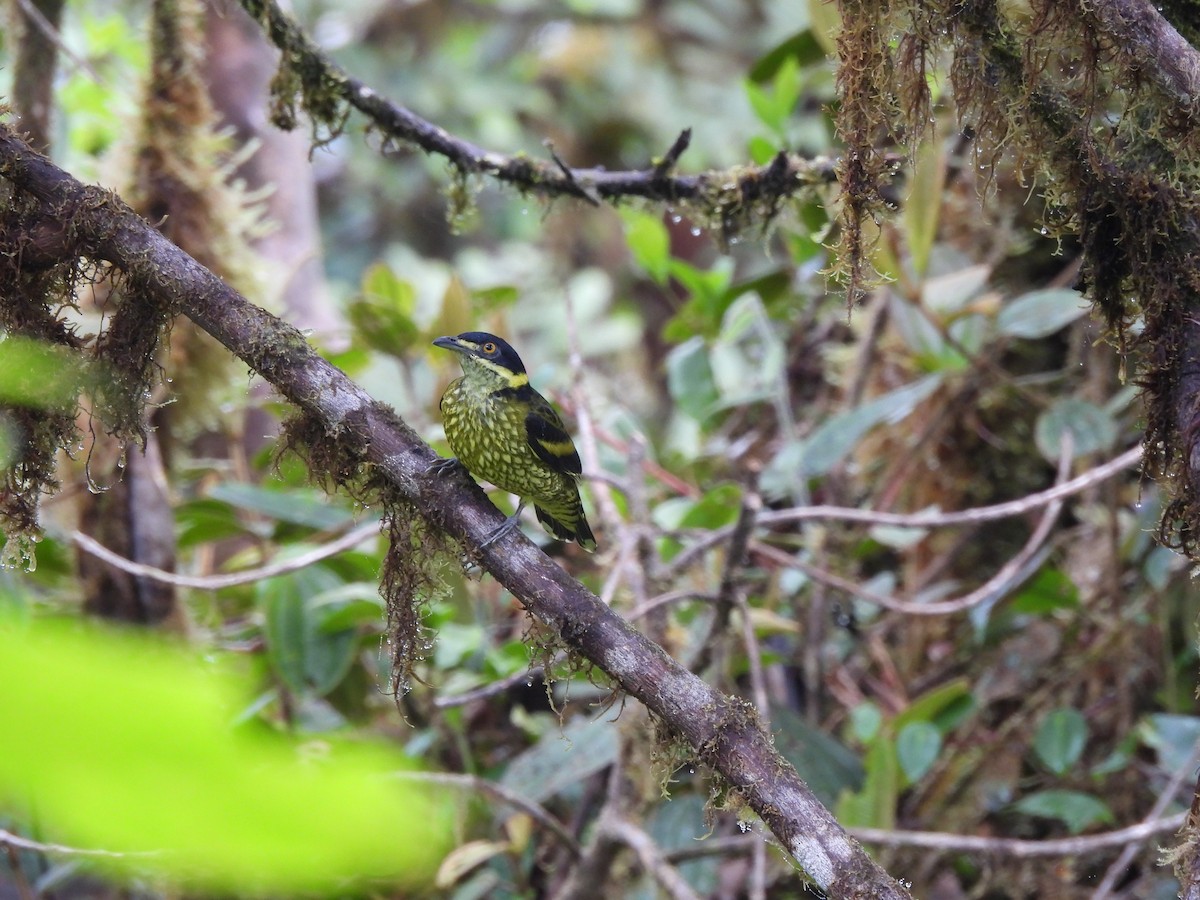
123	744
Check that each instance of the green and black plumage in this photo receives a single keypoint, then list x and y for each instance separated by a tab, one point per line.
507	433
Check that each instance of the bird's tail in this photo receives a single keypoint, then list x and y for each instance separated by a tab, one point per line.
572	527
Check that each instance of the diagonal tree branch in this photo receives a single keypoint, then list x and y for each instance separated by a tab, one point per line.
724	732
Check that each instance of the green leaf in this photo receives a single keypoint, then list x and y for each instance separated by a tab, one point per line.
648	241
226	810
761	150
934	703
690	379
383	316
1060	739
1076	810
922	212
1049	590
302	652
40	375
802	47
1091	428
875	805
299	506
825	764
837	437
1039	314
1173	736
917	747
561	760
865	721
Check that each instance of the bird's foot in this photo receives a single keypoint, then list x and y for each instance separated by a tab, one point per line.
509	524
444	466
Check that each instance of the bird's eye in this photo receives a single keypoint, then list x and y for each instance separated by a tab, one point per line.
489	348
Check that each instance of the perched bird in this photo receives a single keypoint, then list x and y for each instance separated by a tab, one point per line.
507	433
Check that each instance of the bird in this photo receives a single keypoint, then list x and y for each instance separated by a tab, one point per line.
503	431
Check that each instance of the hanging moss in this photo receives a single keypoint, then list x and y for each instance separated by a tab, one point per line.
1111	148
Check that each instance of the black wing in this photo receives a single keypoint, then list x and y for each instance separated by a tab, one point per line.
549	439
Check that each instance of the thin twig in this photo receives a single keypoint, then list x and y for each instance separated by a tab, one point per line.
1165	798
650	856
8	839
504	795
1007	577
1015	847
352	538
493	688
924	519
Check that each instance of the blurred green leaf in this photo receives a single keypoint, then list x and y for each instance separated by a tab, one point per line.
1077	811
933	703
677	824
1040	314
837	436
866	720
299	506
825	764
874	806
1060	739
1049	590
690	379
922	211
917	747
304	654
40	375
563	759
803	47
648	241
1091	428
1173	737
239	811
382	317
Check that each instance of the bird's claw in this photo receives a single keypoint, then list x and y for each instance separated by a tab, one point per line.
444	466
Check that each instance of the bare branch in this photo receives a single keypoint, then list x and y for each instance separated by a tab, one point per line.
650	856
924	519
473	782
350	539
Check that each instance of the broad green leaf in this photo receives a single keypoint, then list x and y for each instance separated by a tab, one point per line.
677	824
917	747
560	760
383	316
648	241
299	506
690	379
1060	739
1174	737
223	809
715	509
761	150
1076	810
1049	590
825	764
1091	428
837	437
306	656
1041	313
802	46
875	805
934	703
865	721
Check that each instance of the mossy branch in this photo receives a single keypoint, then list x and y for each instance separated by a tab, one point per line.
726	197
724	732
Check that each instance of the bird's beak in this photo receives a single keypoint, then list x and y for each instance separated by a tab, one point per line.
450	343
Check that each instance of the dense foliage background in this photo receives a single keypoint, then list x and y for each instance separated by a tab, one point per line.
1016	677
